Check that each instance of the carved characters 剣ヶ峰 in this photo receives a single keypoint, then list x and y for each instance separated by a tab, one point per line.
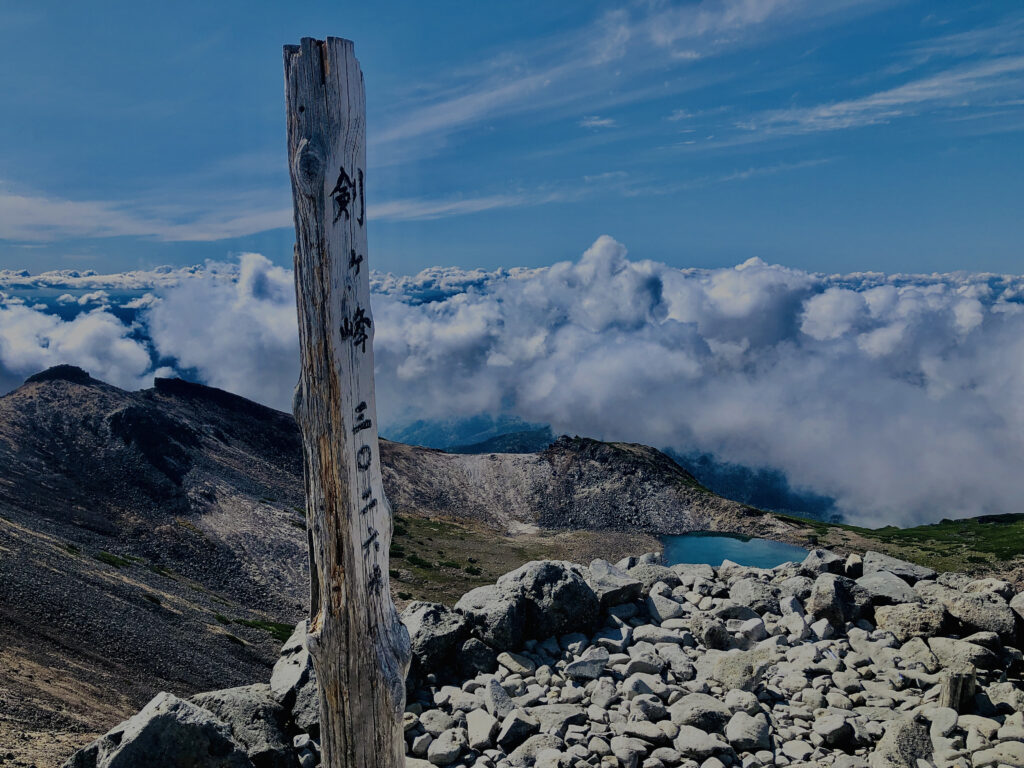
355	328
354	260
362	199
361	421
344	194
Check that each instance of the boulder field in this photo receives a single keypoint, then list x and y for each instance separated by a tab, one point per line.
858	662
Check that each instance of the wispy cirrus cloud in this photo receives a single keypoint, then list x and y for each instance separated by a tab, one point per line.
989	40
425	209
610	182
741	174
42	219
645	53
605	176
597	64
31	217
957	88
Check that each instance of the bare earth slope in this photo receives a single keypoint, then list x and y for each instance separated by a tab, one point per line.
135	529
155	540
575	483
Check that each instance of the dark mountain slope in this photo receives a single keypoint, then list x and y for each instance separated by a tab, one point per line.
136	530
529	441
155	539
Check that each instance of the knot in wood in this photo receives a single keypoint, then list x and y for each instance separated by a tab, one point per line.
308	167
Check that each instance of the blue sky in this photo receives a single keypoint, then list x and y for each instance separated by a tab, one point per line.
834	136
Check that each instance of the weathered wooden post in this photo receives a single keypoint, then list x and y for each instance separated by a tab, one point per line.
359	647
959	684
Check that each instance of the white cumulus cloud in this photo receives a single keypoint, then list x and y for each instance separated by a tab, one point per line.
31	340
898	395
240	335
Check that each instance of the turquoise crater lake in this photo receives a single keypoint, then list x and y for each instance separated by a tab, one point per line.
755	553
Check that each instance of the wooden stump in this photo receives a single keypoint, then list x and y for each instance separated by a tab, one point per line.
360	648
958	688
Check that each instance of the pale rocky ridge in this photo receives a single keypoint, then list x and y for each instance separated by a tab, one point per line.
834	661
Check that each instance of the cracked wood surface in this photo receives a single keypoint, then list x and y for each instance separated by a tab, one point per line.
360	648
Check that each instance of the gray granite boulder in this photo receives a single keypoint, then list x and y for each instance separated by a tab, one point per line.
761	597
1017	605
256	720
909	620
649	574
837	599
700	711
167	731
475	656
905	742
305	710
590	665
435	632
797	586
611	584
887	588
515	728
910	572
982	611
742	670
711	631
526	754
747	734
293	669
494	616
819	561
953	653
556	597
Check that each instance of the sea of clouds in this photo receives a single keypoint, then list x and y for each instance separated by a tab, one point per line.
901	396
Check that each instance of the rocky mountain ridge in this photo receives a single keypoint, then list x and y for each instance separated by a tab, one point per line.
855	662
154	540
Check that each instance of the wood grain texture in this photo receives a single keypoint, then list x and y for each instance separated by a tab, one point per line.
360	648
958	686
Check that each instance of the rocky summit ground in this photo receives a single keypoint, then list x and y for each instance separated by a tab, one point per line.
850	662
155	540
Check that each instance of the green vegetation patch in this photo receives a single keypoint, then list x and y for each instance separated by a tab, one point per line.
159	570
946	545
111	559
419	562
998	535
277	630
427	572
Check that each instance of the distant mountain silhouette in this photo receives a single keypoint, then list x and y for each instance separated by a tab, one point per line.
761	487
529	441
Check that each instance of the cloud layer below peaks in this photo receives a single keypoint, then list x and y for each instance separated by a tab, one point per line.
899	395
